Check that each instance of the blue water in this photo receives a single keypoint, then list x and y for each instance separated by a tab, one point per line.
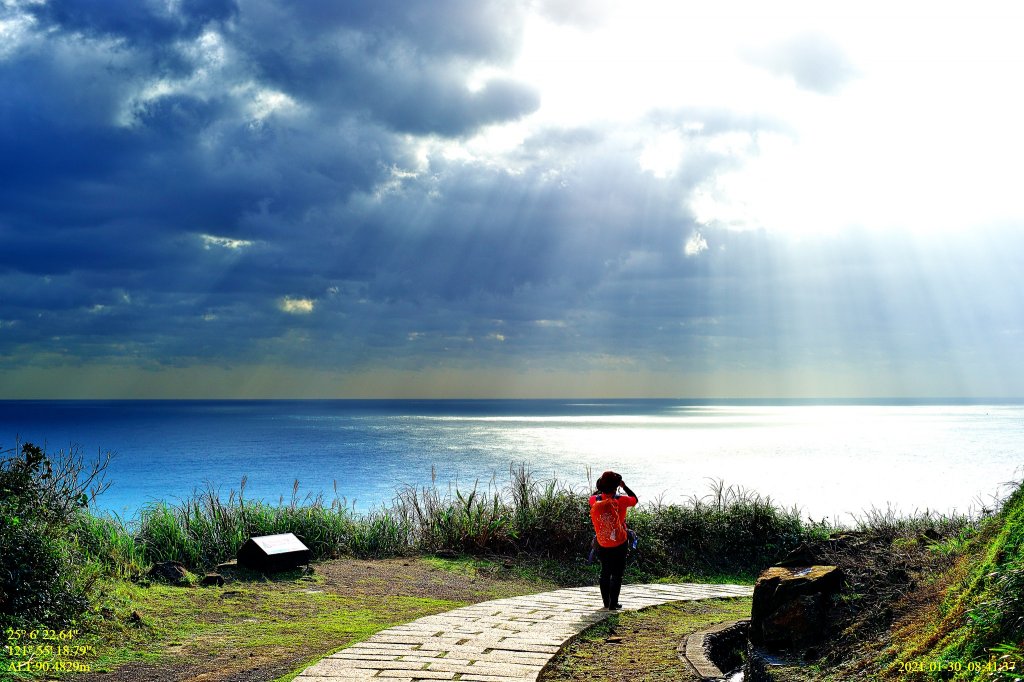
830	460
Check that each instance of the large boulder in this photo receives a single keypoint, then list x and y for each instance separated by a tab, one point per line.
790	605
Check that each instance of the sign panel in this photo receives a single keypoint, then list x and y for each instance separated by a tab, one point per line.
273	553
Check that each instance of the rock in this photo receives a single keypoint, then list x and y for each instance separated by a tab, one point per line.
212	579
173	572
790	605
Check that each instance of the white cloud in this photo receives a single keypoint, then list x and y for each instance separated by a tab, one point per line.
210	240
662	155
695	245
12	32
296	306
265	102
811	59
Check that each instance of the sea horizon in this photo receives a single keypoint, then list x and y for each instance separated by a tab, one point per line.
840	400
830	457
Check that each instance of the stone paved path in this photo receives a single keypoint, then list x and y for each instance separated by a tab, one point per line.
504	640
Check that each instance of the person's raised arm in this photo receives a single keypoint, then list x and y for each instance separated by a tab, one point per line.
628	491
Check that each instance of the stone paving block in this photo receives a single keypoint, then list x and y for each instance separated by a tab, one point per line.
538	647
332	669
462	650
416	674
506	656
397	639
487	668
505	669
362	656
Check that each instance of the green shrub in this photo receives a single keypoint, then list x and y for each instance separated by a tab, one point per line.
728	530
46	574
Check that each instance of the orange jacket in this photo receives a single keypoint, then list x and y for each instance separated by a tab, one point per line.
610	519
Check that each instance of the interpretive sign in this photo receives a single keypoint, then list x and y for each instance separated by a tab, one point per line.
273	553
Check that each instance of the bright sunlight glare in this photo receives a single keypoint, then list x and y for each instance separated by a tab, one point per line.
866	115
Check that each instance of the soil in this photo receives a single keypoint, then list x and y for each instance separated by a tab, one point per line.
346	577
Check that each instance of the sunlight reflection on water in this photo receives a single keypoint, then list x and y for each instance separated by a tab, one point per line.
831	461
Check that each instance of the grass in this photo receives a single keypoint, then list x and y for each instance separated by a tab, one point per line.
295	620
645	648
976	629
279	626
728	531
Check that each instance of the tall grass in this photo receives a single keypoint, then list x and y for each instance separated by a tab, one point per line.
729	529
545	519
890	523
204	530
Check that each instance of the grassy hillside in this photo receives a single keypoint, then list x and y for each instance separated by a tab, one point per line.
930	597
975	628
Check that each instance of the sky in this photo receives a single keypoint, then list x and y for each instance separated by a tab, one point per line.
519	198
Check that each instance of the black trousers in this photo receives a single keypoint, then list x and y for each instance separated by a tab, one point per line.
613	565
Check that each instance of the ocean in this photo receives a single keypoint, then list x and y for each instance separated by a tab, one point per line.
832	460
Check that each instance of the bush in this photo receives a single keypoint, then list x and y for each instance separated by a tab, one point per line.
46	575
728	530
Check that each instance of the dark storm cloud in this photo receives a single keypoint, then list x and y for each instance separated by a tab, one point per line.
129	130
404	63
222	184
142	22
305	205
120	113
85	63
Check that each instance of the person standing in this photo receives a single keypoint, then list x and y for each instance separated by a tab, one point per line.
608	514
